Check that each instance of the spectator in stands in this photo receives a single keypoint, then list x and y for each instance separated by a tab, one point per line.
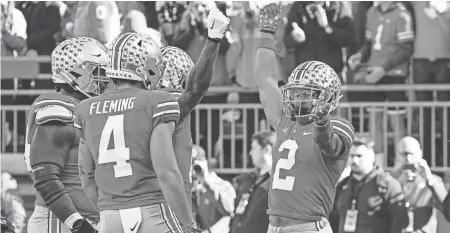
98	20
213	197
14	30
253	188
43	22
421	187
134	21
431	60
12	207
387	51
423	190
318	31
66	10
369	200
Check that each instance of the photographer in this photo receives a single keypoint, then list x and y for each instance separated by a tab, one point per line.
420	186
213	197
424	191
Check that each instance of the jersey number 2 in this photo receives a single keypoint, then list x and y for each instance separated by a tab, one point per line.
287	164
120	153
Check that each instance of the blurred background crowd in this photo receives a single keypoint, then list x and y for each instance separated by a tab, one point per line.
368	43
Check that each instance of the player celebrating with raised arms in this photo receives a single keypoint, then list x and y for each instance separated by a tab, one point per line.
312	148
127	162
51	152
176	67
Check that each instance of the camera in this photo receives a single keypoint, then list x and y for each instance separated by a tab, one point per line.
411	167
249	14
197	168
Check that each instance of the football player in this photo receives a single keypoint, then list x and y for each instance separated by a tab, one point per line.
188	83
127	162
312	148
51	152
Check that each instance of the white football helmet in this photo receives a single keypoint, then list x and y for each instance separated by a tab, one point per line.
175	66
309	82
80	62
134	56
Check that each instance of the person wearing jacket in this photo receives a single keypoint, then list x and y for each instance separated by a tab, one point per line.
369	200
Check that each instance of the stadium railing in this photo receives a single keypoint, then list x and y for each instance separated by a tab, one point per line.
232	151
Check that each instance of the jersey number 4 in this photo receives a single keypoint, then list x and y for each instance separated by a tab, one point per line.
120	153
287	164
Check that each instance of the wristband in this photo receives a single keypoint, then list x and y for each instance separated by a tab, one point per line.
72	219
216	40
267	43
267	31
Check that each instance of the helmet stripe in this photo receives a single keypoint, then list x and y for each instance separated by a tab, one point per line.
117	50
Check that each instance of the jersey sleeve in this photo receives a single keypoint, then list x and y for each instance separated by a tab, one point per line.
369	34
78	122
404	27
344	129
165	109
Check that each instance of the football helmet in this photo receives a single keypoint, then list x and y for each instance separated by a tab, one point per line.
310	82
175	66
80	62
134	56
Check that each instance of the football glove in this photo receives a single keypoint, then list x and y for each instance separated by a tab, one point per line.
217	24
83	226
269	17
322	109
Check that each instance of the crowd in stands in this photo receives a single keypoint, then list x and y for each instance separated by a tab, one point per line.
365	42
368	43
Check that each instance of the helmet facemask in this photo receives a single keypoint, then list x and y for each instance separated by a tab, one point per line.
300	101
90	79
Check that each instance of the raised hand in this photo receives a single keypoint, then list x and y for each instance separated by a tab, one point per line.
322	109
217	24
269	17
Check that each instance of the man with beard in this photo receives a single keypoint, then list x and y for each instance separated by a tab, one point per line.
369	200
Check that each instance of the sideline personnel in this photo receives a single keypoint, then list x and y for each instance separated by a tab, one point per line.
253	188
369	200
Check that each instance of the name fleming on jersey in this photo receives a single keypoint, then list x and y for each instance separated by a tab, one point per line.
111	106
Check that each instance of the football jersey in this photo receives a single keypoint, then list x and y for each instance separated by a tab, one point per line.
182	140
117	127
54	106
304	180
388	31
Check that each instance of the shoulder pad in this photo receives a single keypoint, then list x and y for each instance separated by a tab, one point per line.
53	113
55	98
343	127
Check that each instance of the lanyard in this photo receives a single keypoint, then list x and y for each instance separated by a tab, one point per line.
356	189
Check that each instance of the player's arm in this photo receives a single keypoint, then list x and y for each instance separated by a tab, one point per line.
199	79
86	169
49	151
164	116
86	164
334	137
266	66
